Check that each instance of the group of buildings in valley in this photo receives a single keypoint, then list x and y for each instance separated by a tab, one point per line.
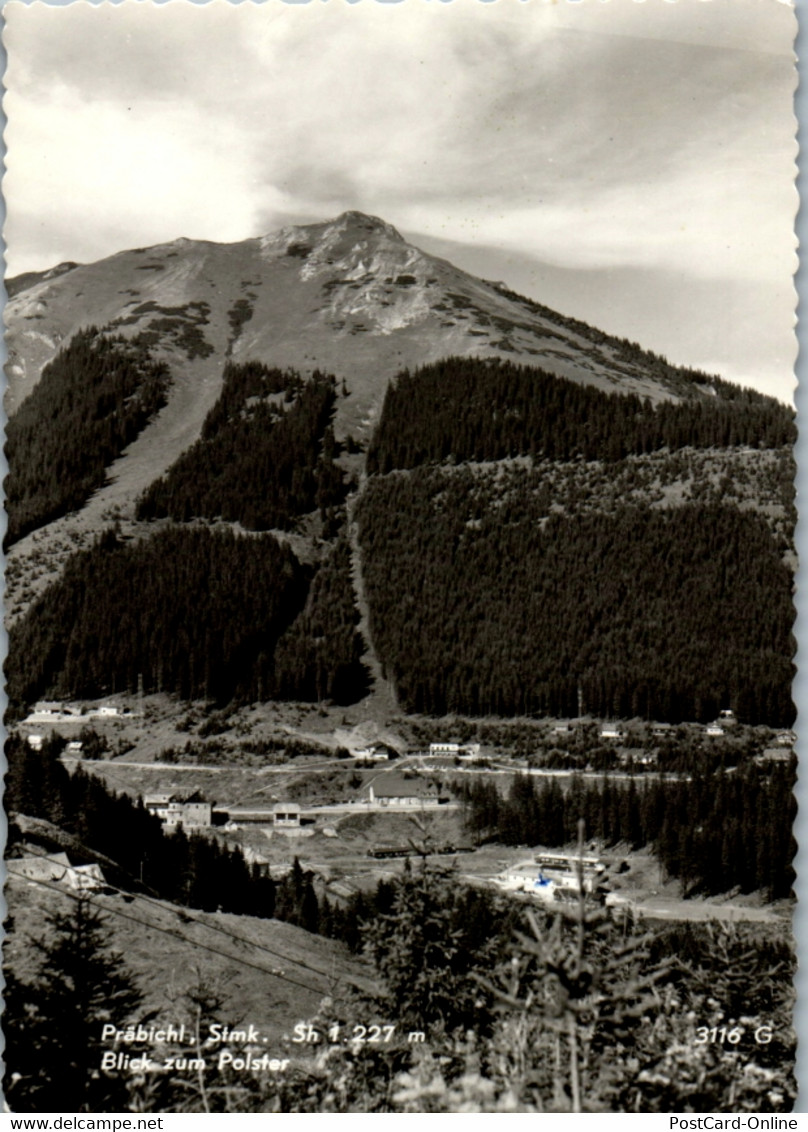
554	877
383	791
189	811
456	750
618	732
46	713
634	746
54	711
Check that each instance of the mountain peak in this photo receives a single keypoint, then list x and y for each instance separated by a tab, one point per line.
367	272
364	222
350	231
346	294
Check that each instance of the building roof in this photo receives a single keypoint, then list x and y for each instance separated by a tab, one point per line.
55	859
52	867
396	786
195	799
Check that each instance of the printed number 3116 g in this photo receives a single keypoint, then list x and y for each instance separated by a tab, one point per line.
705	1035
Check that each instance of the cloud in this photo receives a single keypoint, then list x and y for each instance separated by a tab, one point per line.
90	168
691	223
512	122
609	134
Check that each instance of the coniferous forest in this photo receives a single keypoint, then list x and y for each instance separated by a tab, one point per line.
188	610
92	400
195	612
667	614
318	658
198	613
487	409
495	593
713	831
265	456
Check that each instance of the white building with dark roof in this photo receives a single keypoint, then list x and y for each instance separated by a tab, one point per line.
612	731
172	809
395	790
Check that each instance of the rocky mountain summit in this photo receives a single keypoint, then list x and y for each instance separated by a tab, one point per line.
350	296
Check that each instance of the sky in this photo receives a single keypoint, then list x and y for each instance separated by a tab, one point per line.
631	163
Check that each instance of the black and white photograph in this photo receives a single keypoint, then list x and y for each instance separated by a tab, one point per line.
400	558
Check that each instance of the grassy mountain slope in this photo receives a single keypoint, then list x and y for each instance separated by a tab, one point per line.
164	945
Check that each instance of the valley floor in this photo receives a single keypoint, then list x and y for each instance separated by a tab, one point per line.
340	826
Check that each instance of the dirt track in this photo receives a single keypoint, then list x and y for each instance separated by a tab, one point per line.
383	694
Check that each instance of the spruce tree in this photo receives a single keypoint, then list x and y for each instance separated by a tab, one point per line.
425	953
53	1024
